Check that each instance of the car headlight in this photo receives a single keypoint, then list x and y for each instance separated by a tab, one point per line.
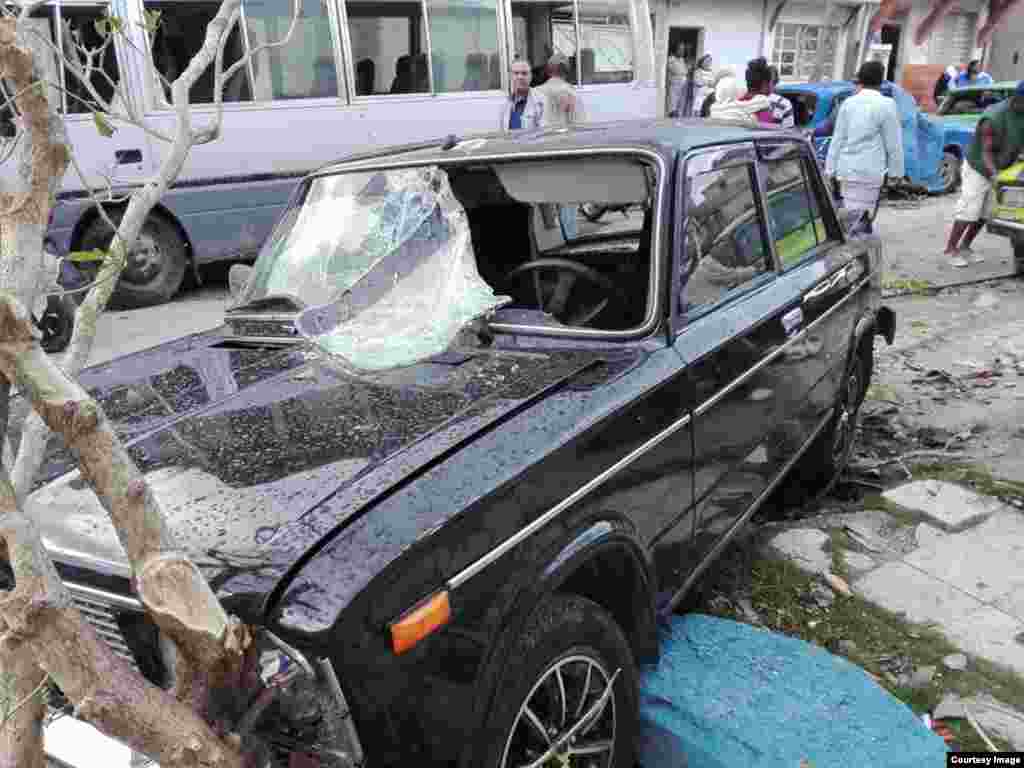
1012	196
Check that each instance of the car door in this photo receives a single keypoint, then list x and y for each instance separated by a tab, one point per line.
822	279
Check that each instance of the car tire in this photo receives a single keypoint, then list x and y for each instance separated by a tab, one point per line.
949	170
57	323
575	642
156	264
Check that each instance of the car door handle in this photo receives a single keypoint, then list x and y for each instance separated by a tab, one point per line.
127	156
839	280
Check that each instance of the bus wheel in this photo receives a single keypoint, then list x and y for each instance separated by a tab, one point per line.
156	263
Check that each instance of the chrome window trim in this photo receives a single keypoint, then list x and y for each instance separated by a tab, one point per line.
510	543
87	561
654	293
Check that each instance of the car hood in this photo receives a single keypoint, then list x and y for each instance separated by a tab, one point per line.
239	447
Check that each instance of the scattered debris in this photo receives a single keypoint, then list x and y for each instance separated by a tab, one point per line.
838	584
955	661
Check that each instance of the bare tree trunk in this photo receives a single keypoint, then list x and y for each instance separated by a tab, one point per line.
39	615
21	737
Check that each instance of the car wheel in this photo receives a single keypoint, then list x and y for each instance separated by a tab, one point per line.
57	323
949	170
553	697
156	263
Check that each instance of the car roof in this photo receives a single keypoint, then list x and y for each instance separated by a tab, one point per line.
832	86
1002	85
666	137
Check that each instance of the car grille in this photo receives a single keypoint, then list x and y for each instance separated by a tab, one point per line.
100	609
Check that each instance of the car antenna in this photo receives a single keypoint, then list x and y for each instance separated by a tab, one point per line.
450	142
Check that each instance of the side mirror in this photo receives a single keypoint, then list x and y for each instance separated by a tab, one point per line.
238	279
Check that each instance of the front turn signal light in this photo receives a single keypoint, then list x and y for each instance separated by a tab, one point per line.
430	614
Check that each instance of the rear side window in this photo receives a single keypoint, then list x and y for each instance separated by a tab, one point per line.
725	245
794	213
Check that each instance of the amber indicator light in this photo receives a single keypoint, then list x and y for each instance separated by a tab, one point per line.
415	625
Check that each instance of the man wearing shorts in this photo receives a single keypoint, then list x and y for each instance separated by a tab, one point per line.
998	142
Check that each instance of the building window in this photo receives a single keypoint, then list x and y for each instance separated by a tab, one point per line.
796	47
606	42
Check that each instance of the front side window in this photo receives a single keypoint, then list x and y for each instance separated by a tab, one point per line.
179	37
796	49
81	26
725	246
304	67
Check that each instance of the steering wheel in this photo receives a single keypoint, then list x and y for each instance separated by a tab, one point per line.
568	273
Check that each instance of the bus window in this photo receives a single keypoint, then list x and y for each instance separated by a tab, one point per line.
563	35
81	23
388	47
304	68
464	45
180	36
606	42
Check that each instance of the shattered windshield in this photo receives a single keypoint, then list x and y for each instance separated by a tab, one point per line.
390	252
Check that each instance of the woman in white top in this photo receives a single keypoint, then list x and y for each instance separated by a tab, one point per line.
703	81
677	72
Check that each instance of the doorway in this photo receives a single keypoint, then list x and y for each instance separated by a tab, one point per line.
891	36
692	39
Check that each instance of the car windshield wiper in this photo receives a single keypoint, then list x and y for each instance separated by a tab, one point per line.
279	301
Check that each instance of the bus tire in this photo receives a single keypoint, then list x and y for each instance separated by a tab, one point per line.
156	264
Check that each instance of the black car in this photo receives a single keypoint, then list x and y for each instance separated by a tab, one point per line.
457	447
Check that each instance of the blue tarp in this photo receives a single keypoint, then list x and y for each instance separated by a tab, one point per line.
922	141
726	694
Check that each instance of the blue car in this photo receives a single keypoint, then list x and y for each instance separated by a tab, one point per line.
815	106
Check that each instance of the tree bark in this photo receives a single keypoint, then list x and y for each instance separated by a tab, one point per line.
39	616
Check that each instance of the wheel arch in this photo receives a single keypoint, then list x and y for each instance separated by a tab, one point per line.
607	547
954	149
91	214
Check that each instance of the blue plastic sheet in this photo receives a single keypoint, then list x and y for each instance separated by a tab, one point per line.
726	694
922	141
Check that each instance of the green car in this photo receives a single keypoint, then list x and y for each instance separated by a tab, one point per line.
1007	217
958	115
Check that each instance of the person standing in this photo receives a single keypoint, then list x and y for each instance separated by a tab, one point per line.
562	108
867	143
677	75
973	76
997	144
759	83
703	82
733	105
782	108
524	108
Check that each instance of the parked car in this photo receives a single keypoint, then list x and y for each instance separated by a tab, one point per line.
1007	217
457	466
928	164
959	114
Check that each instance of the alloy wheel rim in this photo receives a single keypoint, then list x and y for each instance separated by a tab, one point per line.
145	261
562	699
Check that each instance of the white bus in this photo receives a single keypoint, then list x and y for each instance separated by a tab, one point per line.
355	74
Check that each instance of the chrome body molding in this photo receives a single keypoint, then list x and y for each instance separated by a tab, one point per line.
510	543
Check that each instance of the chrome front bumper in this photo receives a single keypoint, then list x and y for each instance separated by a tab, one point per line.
71	743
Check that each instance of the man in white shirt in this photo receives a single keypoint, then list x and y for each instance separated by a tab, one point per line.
867	144
525	107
